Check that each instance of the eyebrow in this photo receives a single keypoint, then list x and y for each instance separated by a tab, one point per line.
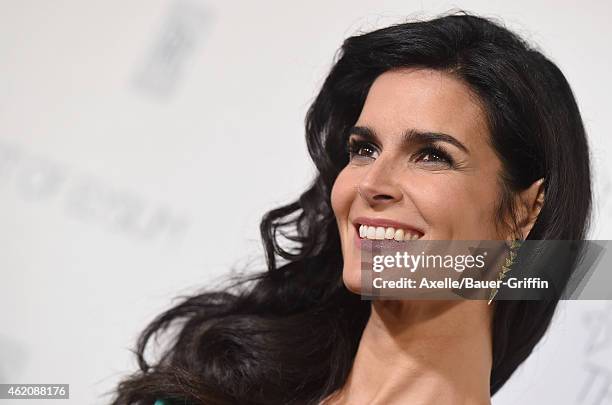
411	136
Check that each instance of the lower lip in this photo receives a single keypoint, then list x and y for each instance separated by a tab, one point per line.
357	240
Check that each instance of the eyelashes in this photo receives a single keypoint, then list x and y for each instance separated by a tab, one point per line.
437	154
429	154
360	148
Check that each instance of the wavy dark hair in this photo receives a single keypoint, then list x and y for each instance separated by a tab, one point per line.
288	335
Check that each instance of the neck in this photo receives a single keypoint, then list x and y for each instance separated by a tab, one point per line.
422	352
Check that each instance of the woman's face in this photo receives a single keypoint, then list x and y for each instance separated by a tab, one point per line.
421	166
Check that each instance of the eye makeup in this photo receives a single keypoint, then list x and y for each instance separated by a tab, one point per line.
428	153
361	149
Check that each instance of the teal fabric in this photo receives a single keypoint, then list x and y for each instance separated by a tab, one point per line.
160	402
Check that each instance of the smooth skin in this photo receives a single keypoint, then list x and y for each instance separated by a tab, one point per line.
423	352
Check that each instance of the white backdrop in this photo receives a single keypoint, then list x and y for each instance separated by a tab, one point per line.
141	141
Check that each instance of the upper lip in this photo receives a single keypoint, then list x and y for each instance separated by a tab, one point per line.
385	223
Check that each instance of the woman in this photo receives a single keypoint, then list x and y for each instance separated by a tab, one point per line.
452	128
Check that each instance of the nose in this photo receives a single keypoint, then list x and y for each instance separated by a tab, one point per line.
379	186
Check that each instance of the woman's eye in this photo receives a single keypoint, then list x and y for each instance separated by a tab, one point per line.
362	150
429	155
433	155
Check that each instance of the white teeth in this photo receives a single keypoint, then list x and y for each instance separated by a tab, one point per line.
363	230
380	233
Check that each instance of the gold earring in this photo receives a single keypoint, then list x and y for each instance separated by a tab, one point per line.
507	265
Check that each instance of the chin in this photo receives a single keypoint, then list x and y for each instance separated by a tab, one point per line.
352	280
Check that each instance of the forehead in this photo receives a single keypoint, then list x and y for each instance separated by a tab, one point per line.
427	100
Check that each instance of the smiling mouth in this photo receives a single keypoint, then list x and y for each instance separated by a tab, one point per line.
387	232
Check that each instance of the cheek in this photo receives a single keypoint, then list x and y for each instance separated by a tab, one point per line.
458	208
342	195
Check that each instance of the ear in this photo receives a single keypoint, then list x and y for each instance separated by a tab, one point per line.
530	204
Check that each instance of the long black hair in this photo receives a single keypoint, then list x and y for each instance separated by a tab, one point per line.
290	334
